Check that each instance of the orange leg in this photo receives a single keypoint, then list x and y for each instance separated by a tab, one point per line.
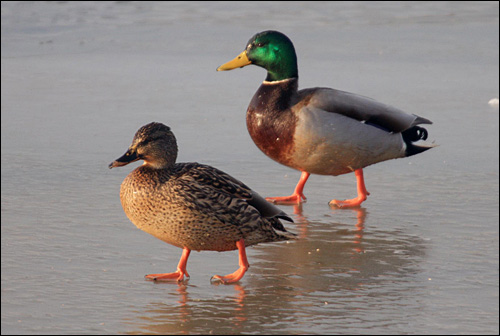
181	270
362	193
240	272
297	195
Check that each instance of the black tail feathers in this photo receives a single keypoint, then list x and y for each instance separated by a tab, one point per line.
412	135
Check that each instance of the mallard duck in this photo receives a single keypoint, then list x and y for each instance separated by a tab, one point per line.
193	206
320	130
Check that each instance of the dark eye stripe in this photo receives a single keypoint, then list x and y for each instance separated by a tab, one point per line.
149	139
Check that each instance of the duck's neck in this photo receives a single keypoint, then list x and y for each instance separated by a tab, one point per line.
282	74
282	82
159	164
282	65
275	95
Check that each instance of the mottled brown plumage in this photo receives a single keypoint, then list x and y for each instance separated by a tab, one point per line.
191	205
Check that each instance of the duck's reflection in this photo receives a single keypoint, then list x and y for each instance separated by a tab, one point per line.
359	227
183	299
333	265
301	221
239	300
239	310
224	314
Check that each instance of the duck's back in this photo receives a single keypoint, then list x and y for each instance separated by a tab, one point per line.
194	206
360	108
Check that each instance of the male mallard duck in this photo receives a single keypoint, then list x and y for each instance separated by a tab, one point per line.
320	130
191	205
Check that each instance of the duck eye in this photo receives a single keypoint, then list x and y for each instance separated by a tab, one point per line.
259	45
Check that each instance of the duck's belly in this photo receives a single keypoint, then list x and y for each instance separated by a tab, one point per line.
331	144
174	223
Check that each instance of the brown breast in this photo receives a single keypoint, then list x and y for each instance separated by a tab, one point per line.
270	120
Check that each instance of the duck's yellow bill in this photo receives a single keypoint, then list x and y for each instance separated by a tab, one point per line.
240	61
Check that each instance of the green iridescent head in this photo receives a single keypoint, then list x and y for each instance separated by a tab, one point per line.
271	50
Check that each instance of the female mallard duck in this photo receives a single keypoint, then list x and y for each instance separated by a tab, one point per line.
320	130
191	205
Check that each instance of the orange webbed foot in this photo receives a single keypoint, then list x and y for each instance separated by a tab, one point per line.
240	272
362	194
181	270
295	198
350	203
179	276
231	278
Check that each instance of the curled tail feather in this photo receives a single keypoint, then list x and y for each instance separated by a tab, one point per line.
412	135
